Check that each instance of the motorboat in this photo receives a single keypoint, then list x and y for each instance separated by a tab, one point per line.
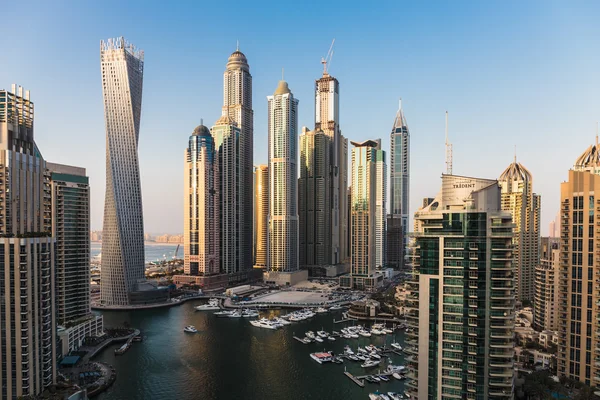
361	357
372	380
223	314
338	360
323	334
376	331
364	333
396	346
321	357
384	396
282	321
267	324
397	376
336	307
373	396
235	314
361	350
370	364
395	396
321	310
190	329
386	330
213	304
353	336
396	368
331	338
375	356
353	357
384	378
310	334
318	339
376	378
348	350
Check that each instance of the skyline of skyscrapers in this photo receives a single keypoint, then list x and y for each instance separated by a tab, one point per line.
524	205
461	300
123	264
27	254
283	180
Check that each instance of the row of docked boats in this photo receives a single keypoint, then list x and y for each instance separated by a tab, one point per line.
273	323
245	313
387	396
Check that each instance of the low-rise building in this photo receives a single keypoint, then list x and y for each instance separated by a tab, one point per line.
72	335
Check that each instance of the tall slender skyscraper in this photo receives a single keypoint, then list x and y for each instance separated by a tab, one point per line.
71	229
461	304
27	316
122	68
261	215
367	216
397	224
226	134
314	201
237	105
524	205
283	180
579	291
327	113
201	205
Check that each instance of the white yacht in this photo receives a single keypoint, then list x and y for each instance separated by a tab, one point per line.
369	364
318	339
321	310
235	314
375	356
376	331
224	314
331	338
310	334
282	321
323	334
396	346
348	350
364	333
397	376
213	304
190	329
336	307
267	324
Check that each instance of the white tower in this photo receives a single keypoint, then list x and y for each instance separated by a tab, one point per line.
123	233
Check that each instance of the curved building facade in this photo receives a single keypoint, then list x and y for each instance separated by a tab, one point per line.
122	68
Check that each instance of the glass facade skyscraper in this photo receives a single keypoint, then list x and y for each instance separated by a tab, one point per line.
397	223
461	301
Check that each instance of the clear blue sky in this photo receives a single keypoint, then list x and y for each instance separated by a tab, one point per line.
525	73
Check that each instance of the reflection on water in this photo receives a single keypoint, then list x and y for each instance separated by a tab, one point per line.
231	359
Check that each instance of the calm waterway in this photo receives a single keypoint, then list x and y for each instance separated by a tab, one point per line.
153	251
231	359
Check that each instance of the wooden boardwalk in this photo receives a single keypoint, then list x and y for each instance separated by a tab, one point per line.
300	340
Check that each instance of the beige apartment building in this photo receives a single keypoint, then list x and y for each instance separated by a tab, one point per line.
261	215
546	286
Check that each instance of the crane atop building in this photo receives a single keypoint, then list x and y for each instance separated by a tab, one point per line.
328	57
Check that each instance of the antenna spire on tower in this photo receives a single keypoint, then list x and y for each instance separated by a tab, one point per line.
448	150
515	153
237	45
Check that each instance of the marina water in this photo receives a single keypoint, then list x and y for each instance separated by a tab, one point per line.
230	359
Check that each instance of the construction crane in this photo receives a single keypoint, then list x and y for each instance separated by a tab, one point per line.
327	59
448	150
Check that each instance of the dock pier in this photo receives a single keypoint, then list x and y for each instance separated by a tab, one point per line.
300	340
354	379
